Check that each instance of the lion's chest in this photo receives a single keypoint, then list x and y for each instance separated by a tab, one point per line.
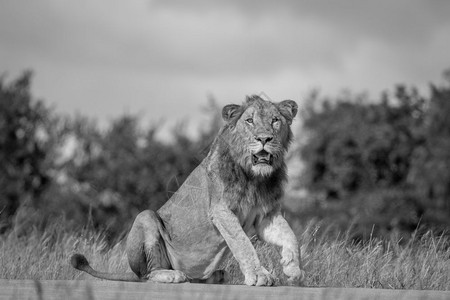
249	219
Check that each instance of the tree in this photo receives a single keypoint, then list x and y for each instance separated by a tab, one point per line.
25	142
431	161
369	160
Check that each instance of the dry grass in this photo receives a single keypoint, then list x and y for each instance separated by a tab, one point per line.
46	256
421	263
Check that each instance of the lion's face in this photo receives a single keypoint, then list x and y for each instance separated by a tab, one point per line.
260	133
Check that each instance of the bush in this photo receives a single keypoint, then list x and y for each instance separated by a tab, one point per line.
381	162
27	144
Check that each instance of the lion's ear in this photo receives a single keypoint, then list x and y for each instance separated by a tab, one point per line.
288	109
229	111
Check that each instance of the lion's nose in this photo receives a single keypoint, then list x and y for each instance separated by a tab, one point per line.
264	138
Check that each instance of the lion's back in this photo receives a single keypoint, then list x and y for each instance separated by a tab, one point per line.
192	198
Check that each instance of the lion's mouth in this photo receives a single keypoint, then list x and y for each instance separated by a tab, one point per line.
262	157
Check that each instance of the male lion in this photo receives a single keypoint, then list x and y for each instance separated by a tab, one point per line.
234	193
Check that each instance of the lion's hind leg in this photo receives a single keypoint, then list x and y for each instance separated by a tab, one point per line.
147	253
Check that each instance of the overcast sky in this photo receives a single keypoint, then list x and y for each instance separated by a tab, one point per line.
106	57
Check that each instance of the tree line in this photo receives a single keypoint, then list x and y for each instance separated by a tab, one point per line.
384	162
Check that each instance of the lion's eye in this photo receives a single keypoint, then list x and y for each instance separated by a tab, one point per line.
275	119
249	120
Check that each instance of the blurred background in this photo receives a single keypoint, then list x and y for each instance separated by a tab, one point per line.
107	106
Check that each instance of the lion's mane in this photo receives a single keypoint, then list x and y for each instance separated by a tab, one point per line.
231	161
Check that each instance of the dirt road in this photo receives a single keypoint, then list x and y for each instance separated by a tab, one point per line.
64	289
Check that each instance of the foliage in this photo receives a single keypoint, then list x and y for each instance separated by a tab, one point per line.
370	160
28	139
365	161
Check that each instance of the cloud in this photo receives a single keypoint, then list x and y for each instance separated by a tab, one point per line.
163	57
402	19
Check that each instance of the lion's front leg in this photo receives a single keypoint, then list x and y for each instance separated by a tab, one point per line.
231	230
275	230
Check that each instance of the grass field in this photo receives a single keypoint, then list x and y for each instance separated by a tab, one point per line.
389	263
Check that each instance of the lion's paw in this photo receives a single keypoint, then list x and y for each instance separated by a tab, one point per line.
287	256
295	275
168	276
259	278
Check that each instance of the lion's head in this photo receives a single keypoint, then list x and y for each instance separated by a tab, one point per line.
257	134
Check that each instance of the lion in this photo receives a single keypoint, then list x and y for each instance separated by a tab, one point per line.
231	196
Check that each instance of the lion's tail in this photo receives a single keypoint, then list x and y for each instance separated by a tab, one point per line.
79	262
